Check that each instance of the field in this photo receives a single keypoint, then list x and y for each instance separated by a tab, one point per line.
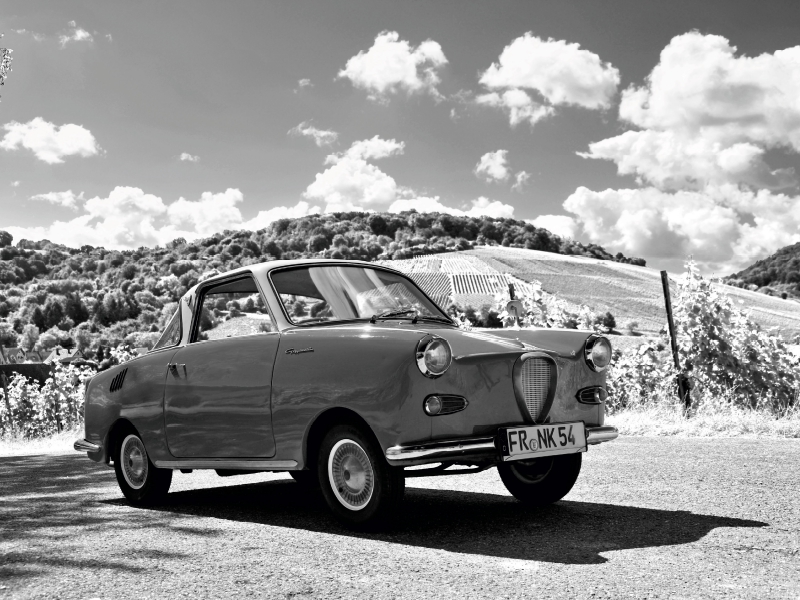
629	292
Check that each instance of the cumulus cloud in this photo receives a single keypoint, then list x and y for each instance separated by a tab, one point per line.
392	65
561	225
129	218
492	166
66	199
520	181
480	207
74	34
707	119
48	142
561	73
519	106
321	137
185	156
352	183
708	116
304	83
15	183
39	37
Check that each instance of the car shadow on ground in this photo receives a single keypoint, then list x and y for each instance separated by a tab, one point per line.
567	532
47	497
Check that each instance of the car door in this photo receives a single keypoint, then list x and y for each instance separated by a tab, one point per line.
217	395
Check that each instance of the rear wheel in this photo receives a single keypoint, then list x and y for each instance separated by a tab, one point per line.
138	478
541	481
359	486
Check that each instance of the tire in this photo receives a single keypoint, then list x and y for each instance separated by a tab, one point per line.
362	490
138	478
308	479
541	481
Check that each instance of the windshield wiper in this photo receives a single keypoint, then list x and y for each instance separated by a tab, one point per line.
435	318
394	313
414	319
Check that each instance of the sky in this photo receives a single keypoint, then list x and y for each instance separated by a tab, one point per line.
661	130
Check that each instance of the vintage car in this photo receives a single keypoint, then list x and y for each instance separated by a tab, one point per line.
348	376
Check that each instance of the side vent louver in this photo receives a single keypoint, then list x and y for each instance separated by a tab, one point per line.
119	379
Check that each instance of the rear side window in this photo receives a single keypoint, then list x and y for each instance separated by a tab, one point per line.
172	334
232	309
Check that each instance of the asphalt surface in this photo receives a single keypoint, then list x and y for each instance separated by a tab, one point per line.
648	518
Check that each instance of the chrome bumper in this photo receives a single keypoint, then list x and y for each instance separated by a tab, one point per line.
471	448
86	446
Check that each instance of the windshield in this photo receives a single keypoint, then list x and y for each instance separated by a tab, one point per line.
335	293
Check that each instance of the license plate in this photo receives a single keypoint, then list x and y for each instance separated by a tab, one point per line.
542	440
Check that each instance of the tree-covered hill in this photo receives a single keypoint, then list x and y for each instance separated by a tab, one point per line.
93	297
776	275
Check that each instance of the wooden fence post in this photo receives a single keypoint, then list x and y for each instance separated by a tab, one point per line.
4	381
683	379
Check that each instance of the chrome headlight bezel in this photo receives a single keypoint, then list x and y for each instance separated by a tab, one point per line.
429	344
593	342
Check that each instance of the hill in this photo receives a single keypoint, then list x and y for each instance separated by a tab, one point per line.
776	275
631	293
95	298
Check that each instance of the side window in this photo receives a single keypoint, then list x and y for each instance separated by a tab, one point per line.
232	309
172	334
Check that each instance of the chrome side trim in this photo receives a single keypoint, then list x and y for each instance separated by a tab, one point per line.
435	451
86	446
598	435
226	463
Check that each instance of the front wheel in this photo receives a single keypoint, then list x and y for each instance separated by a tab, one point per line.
541	481
140	481
360	487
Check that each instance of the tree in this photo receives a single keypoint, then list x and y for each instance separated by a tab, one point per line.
5	239
30	335
8	338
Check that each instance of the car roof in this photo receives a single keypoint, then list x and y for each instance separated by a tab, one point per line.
264	268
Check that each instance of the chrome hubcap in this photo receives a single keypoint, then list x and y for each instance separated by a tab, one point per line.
350	474
133	458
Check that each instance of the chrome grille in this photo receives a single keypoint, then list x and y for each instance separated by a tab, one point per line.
535	384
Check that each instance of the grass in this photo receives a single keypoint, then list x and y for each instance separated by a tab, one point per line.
55	444
668	420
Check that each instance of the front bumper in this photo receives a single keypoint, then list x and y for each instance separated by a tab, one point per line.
86	446
481	448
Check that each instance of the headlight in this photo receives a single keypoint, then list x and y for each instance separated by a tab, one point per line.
433	356
597	352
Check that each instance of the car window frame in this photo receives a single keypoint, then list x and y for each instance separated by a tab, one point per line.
179	315
293	325
198	310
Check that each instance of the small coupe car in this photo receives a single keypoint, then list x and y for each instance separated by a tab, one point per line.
348	376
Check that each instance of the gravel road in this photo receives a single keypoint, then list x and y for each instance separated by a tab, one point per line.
648	518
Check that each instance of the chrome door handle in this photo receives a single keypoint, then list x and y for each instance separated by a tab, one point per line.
174	367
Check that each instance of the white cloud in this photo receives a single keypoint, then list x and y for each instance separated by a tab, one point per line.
321	137
109	38
708	119
561	225
561	72
351	183
74	34
15	183
48	142
374	148
392	65
480	207
673	160
520	181
492	166
39	37
519	106
185	156
129	218
66	199
712	224
265	217
304	83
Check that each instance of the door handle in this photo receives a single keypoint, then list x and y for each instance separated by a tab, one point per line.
174	367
